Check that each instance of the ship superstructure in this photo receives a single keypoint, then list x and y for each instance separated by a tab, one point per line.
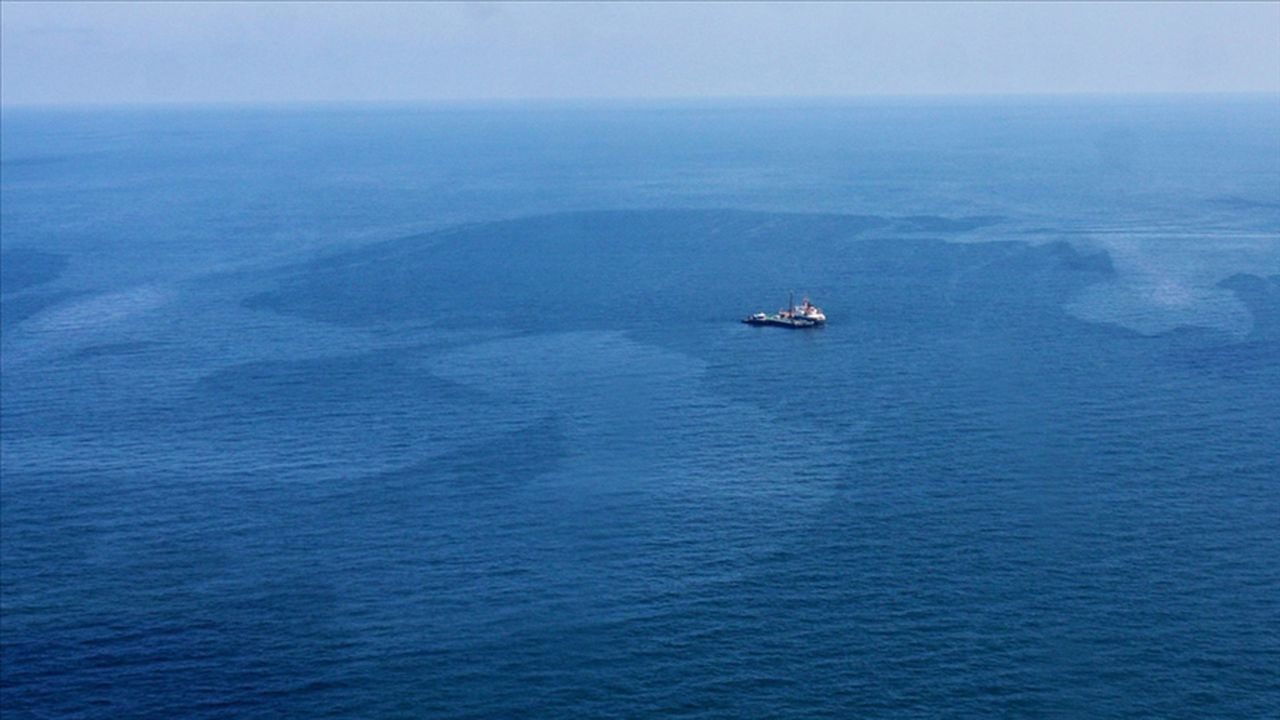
793	316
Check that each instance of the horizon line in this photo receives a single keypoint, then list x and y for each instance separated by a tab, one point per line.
637	99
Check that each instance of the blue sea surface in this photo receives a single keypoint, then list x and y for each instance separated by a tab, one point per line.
446	411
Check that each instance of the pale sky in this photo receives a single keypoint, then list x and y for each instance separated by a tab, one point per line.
59	53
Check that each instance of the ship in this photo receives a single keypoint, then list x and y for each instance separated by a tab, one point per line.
805	315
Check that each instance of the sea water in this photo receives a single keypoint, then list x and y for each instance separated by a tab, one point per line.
446	411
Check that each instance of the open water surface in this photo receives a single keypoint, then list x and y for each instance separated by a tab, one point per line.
391	412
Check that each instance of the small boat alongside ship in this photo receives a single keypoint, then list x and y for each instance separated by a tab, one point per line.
806	315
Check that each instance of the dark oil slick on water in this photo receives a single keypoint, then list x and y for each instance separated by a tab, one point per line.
446	412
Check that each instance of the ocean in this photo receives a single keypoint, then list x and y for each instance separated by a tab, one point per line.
445	411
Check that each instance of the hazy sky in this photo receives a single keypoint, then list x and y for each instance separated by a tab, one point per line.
163	52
